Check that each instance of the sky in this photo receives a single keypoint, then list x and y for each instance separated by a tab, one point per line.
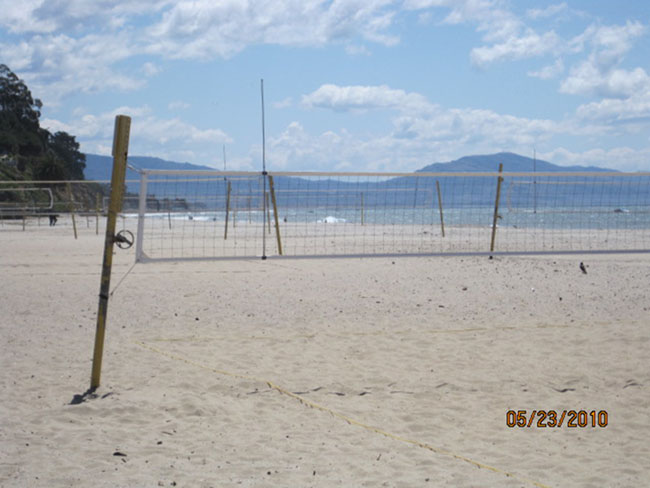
349	85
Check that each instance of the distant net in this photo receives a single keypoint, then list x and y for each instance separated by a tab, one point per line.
25	199
204	215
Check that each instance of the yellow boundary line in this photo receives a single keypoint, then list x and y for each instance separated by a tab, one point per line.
341	416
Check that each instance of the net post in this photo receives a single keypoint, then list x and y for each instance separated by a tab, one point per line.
142	210
442	220
97	210
275	214
362	210
120	150
268	210
496	208
225	231
71	207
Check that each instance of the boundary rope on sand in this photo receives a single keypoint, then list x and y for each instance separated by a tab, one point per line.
362	334
344	417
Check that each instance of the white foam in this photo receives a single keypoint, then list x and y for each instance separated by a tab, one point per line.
331	220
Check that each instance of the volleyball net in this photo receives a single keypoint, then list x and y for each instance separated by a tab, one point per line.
79	204
226	215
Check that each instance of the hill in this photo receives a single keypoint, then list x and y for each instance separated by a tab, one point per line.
512	163
100	167
400	191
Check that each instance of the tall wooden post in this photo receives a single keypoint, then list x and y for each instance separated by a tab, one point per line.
496	208
120	152
275	214
225	231
71	208
98	210
442	220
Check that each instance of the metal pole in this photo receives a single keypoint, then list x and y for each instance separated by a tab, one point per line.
265	202
496	208
120	151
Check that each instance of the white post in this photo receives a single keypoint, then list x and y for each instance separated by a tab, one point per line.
142	209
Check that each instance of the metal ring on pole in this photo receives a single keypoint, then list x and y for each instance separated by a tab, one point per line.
124	239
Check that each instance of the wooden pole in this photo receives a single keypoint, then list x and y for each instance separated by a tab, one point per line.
275	214
120	151
268	210
225	232
71	208
496	208
250	192
234	207
97	210
362	210
442	220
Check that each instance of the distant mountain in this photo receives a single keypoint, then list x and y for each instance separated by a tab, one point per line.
100	167
512	163
399	192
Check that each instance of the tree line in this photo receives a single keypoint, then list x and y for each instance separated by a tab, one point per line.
28	151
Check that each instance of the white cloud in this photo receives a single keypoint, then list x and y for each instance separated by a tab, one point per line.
608	43
505	35
449	135
587	79
598	75
361	98
550	11
56	65
149	134
548	72
205	29
631	109
44	17
70	46
357	50
525	46
620	158
284	103
178	105
496	22
150	69
419	128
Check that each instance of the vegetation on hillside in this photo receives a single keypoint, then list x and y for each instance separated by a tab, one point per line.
29	152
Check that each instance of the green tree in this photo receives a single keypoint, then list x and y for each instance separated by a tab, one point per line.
19	114
66	148
45	155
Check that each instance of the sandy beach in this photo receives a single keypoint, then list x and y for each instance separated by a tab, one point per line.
395	372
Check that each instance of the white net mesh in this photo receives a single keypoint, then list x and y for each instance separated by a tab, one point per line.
231	215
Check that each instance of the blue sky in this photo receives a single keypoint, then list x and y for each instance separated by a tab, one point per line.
350	85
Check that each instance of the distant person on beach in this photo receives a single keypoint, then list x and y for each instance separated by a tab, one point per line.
53	219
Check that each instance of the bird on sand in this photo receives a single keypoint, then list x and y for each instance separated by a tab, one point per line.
583	268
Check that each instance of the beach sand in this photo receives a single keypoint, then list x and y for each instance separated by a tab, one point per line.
393	372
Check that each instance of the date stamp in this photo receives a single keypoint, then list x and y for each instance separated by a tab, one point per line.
571	419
